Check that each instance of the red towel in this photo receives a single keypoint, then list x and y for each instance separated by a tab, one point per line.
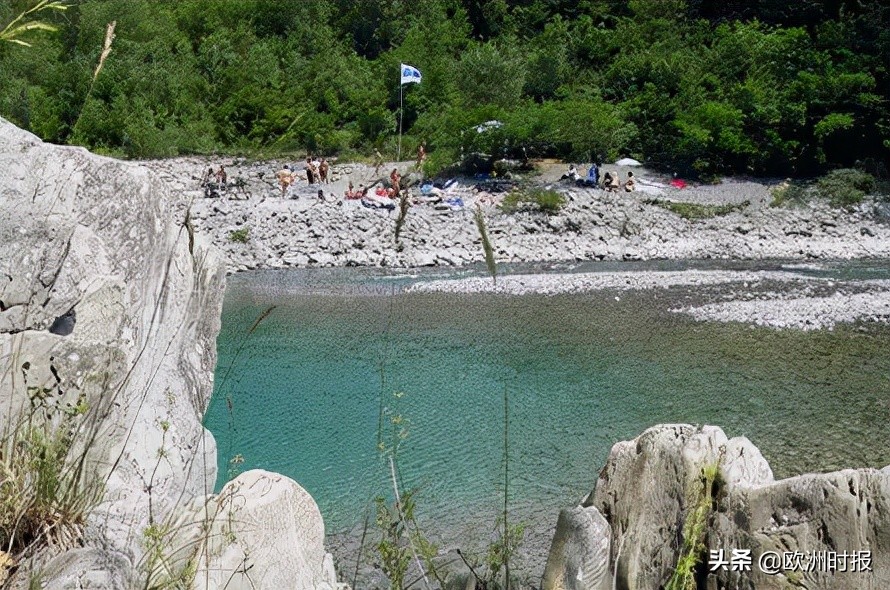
678	183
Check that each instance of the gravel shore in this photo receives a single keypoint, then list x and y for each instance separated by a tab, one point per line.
258	228
303	230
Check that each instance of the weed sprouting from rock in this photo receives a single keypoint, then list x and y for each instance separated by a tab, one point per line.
701	501
45	492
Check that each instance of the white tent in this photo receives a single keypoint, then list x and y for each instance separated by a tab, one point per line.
627	162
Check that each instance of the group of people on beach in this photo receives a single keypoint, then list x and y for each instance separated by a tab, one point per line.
392	191
611	181
220	176
317	172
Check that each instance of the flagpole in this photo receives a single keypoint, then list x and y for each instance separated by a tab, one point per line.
399	155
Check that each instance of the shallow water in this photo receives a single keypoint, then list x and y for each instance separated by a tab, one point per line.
303	393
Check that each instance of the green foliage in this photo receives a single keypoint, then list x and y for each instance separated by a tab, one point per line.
691	87
845	187
160	562
393	549
699	503
536	199
789	194
499	553
491	74
240	236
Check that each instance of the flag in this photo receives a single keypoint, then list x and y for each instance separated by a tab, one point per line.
410	74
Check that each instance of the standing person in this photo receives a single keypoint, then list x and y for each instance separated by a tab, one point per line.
421	154
378	161
310	171
315	169
221	176
395	178
208	176
593	174
323	171
285	179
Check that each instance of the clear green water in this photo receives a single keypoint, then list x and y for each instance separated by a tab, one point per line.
301	394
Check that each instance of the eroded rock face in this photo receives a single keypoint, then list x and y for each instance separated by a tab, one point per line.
101	252
644	495
94	239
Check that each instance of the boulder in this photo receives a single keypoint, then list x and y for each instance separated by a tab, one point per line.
266	532
109	311
579	555
106	245
644	495
87	569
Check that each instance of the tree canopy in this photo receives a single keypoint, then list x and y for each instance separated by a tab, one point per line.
689	85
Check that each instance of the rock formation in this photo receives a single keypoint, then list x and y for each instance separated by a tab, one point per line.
644	496
109	311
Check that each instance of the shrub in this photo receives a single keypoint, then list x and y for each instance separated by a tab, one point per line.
845	187
789	193
700	500
240	235
539	199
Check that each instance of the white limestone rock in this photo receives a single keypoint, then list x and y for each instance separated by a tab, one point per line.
267	532
579	555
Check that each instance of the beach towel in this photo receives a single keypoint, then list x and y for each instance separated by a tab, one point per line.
373	204
456	203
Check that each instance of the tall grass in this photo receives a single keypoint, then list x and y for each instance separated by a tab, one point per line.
487	248
20	26
403	213
45	494
106	51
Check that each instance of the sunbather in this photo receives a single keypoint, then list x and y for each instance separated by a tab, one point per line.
630	185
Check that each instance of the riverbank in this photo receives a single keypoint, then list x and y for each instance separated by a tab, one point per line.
303	230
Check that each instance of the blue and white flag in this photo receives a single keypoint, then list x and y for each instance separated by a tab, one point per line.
410	74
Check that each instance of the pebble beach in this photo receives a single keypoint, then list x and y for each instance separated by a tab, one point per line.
259	228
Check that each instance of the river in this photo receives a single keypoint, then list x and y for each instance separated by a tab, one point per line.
315	387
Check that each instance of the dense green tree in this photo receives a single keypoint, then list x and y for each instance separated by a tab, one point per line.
693	86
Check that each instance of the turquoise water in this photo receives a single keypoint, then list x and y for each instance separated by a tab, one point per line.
302	393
